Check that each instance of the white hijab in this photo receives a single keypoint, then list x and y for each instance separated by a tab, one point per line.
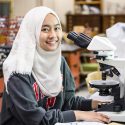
27	57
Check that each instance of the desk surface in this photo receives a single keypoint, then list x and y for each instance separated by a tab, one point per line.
114	123
88	123
69	47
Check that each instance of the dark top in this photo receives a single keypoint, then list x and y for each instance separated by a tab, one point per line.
26	105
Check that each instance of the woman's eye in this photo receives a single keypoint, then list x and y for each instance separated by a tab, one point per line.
57	28
45	29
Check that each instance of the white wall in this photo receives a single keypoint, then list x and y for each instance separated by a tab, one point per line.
21	7
48	3
61	7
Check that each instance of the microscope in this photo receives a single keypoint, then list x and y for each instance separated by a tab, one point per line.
113	73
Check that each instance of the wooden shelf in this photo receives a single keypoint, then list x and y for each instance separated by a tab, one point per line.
93	20
101	21
89	3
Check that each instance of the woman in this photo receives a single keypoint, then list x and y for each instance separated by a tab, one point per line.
39	84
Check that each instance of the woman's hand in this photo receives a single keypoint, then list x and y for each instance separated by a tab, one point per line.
91	116
95	104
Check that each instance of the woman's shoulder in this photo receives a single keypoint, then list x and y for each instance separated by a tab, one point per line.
20	81
21	76
63	61
63	58
24	75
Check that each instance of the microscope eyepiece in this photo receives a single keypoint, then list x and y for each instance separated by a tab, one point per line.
72	36
80	40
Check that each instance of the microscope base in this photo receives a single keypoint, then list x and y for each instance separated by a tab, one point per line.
115	116
116	111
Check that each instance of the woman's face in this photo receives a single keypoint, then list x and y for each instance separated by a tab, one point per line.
51	33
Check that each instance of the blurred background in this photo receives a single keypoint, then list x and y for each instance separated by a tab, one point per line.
91	17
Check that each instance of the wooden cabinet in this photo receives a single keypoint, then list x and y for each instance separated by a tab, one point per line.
100	21
109	20
92	20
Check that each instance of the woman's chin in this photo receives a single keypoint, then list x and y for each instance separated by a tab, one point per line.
51	48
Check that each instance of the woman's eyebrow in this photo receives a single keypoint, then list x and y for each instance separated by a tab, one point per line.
57	24
46	25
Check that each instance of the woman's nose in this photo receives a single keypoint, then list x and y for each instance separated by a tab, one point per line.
52	34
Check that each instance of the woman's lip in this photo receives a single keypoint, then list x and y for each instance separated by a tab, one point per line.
49	42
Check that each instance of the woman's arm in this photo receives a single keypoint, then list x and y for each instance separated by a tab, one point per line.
72	102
